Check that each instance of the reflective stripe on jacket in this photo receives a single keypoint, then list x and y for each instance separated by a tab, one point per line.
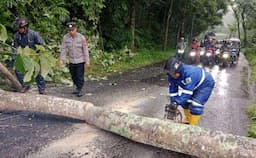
191	79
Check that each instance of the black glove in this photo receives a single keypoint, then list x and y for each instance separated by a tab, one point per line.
171	106
10	64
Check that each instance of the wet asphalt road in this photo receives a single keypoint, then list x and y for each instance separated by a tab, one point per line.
144	92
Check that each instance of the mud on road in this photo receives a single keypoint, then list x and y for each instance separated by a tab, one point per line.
141	91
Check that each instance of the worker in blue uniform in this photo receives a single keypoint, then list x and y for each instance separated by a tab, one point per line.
196	85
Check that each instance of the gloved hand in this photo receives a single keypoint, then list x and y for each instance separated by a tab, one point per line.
171	106
10	64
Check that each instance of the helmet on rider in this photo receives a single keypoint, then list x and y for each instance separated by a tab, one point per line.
194	40
23	23
172	66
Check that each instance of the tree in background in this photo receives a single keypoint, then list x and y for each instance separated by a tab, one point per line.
244	11
158	23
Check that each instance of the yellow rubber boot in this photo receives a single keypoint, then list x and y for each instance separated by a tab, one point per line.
194	119
187	114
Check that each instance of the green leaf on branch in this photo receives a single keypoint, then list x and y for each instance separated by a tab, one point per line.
3	33
27	63
40	48
30	63
46	64
36	72
27	51
22	63
29	74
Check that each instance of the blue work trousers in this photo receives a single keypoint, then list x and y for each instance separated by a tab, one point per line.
39	80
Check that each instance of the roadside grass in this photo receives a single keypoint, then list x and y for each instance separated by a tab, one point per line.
250	54
133	61
251	111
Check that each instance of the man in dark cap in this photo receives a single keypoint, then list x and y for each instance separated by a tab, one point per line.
22	38
75	46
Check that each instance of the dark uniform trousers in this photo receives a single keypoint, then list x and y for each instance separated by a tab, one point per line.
77	74
39	81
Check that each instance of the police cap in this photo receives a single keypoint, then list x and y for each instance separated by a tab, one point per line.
71	25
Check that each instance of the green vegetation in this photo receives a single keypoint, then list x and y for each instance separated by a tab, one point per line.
126	62
111	25
121	34
250	54
245	29
252	115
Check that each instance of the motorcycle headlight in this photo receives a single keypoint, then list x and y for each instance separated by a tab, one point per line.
181	51
208	54
217	51
201	52
225	55
192	53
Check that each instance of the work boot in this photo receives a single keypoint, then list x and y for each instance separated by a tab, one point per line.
42	92
194	119
187	114
25	88
76	91
80	93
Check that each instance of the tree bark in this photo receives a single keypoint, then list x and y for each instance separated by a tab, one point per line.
167	24
10	76
182	138
237	21
133	6
244	26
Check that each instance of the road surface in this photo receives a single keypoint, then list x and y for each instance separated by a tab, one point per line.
142	91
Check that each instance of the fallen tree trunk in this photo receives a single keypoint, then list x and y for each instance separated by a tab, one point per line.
14	82
191	140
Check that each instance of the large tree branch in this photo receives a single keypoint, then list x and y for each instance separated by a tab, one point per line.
191	140
10	76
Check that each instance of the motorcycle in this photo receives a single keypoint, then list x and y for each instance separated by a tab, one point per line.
202	54
224	58
233	56
192	57
180	54
235	44
217	56
209	57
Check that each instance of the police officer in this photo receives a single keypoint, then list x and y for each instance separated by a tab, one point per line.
196	84
75	45
27	37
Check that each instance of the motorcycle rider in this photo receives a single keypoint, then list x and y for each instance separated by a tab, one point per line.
196	84
196	46
181	46
225	46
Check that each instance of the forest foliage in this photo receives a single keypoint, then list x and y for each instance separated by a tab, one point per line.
118	29
107	23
